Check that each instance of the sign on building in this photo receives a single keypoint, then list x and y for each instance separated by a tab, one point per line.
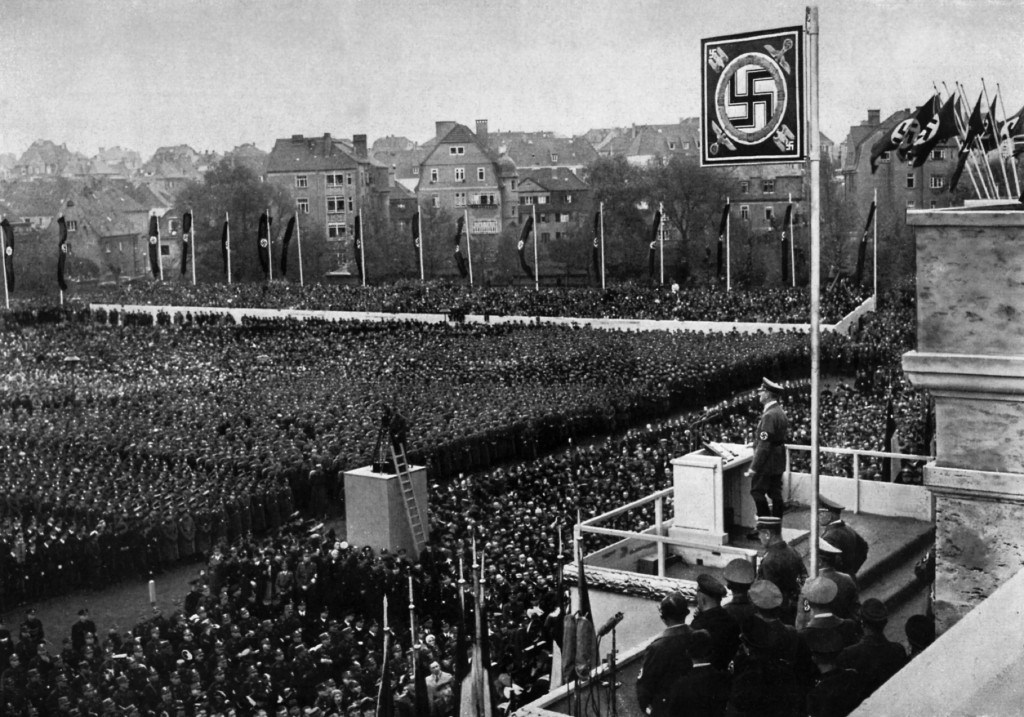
753	98
485	226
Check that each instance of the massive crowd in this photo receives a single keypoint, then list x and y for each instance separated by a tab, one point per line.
619	301
175	442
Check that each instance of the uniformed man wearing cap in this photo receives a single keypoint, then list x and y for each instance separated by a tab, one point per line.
850	543
762	684
712	617
818	595
665	659
847	600
739	574
874	657
769	460
780	564
838	691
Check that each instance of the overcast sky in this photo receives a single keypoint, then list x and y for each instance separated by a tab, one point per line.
218	73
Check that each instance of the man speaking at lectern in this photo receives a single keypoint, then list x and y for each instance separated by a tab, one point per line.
769	452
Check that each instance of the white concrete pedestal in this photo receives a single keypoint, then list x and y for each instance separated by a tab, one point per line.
374	512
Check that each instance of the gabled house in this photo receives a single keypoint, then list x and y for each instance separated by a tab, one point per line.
544	150
561	199
43	158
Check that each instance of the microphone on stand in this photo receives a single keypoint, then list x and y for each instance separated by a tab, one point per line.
610	625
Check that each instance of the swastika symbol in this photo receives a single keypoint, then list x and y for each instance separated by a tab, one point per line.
751	98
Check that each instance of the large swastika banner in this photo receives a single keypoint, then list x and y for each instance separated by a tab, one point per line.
753	98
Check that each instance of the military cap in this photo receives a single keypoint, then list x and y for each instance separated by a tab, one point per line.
820	590
674	606
827	547
739	571
770	522
765	595
770	386
710	585
920	631
826	504
823	640
757	633
874	610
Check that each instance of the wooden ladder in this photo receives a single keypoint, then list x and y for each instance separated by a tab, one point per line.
412	509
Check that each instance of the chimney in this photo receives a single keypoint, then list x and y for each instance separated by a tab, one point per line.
481	132
444	127
359	144
874	117
327	143
297	139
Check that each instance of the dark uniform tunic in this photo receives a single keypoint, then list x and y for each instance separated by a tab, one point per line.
665	660
783	566
849	541
769	461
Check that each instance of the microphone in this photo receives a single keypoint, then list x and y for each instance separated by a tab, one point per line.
610	625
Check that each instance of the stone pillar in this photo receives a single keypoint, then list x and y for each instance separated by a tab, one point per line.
970	356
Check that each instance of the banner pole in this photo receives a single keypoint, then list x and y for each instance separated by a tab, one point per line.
270	249
419	224
814	160
3	253
792	246
874	249
362	243
159	249
536	238
227	220
298	238
601	209
192	243
469	247
728	247
661	242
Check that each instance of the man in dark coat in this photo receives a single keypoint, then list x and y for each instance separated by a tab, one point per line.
713	618
874	657
782	565
666	659
838	691
704	690
739	574
853	547
82	627
769	460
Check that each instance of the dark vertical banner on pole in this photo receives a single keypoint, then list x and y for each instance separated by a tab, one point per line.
655	228
263	244
8	231
288	231
154	246
225	245
723	226
596	252
862	248
460	261
357	246
186	236
524	236
62	251
786	239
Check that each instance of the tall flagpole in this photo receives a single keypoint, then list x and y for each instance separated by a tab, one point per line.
419	234
362	243
227	220
270	248
728	246
994	124
814	160
792	245
3	264
159	249
601	209
192	243
298	238
469	247
874	248
962	126
661	242
1013	165
536	235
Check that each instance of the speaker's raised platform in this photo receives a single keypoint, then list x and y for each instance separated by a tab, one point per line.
375	510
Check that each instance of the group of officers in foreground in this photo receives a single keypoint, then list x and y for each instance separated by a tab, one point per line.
783	646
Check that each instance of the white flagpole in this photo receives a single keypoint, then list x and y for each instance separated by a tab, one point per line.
874	249
298	239
227	220
601	209
159	249
1016	176
270	248
792	245
192	243
3	253
536	236
362	243
994	123
728	257
419	233
469	248
962	126
814	160
661	242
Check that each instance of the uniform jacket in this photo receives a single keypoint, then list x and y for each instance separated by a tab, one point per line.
769	442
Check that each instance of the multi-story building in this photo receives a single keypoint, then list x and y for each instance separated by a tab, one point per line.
330	181
460	173
544	150
561	199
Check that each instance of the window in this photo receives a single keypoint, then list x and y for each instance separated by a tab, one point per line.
348	178
910	180
460	174
336	230
554	158
72	225
514	184
545	236
934	204
686	145
456	151
484	199
350	204
542	218
938	154
165	250
481	174
301	181
767	186
527	200
335	179
460	199
769	213
436	201
744	211
433	175
936	181
744	187
302	205
884	157
335	205
542	199
568	198
564	217
172	226
671	145
910	204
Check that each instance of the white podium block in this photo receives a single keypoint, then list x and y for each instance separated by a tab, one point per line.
706	485
375	512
